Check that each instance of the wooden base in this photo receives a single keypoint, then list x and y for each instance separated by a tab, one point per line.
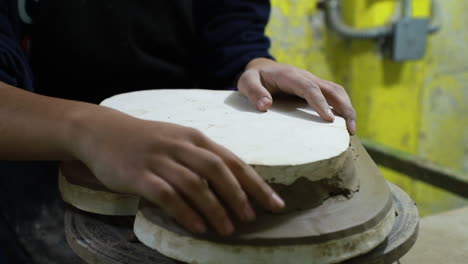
105	240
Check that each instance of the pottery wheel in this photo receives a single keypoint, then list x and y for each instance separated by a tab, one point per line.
105	239
338	205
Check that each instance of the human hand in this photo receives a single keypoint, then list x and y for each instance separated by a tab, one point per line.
264	77
177	168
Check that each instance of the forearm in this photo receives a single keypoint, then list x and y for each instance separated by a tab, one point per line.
36	127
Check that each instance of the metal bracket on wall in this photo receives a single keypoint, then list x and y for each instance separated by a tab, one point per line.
406	35
417	168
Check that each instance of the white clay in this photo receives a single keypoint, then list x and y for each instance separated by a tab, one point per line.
290	139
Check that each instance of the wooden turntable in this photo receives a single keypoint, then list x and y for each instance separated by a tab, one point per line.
339	207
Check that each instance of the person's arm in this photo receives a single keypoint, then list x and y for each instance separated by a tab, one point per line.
164	163
233	42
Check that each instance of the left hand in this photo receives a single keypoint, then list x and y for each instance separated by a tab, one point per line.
263	77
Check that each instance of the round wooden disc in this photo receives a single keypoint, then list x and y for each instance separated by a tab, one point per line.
105	239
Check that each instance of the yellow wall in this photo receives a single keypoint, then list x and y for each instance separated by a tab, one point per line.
419	107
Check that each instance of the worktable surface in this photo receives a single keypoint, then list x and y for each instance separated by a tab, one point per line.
443	238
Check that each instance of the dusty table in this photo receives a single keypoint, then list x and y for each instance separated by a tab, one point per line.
443	238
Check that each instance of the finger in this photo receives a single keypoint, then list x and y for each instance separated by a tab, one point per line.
211	167
247	178
309	90
339	99
254	185
196	190
250	85
159	192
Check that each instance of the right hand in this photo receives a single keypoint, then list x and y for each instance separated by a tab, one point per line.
177	168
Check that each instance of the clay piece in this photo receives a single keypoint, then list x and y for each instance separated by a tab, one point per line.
290	140
81	189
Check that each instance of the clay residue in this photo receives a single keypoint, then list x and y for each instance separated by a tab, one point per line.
315	171
304	194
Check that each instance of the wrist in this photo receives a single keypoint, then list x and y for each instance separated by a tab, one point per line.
257	62
90	127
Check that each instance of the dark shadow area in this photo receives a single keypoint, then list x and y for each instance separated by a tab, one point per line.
295	107
32	214
291	106
240	103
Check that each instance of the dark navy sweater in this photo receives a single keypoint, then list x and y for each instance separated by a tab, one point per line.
14	67
88	50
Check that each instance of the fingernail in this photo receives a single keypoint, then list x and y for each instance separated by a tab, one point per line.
277	201
199	228
228	228
352	127
330	113
249	214
264	101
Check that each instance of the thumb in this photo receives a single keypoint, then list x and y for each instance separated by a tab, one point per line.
250	85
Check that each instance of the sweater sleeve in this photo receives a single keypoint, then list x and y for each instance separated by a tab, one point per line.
230	34
14	67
